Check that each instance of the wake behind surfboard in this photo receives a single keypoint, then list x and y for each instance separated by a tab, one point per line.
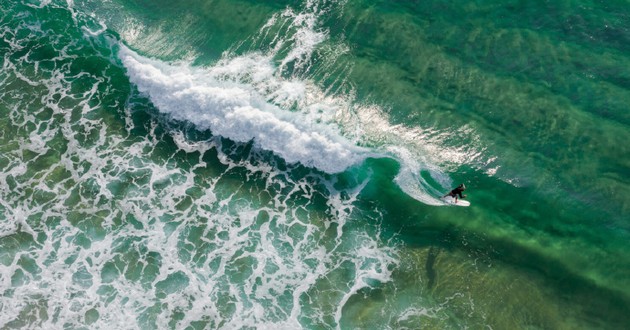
448	200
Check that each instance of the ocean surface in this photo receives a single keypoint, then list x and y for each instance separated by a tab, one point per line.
241	164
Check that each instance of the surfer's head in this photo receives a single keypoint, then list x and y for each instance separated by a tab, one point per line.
462	186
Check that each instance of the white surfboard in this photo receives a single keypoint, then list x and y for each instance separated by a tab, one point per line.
448	200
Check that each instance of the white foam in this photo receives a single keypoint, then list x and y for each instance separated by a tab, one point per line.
216	99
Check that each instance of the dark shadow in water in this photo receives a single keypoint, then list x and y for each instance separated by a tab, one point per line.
431	275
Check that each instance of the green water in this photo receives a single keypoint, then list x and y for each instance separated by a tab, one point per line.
119	208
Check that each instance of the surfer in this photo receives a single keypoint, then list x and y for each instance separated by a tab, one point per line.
457	192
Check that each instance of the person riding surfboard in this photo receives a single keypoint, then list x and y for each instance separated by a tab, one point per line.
457	192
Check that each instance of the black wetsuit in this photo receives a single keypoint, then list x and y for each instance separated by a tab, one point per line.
456	191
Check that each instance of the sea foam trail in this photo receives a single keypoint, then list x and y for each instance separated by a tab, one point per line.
224	100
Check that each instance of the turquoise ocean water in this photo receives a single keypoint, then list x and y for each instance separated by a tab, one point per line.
238	164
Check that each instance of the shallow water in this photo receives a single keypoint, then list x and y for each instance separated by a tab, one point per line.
248	164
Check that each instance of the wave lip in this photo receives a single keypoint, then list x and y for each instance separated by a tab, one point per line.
224	100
